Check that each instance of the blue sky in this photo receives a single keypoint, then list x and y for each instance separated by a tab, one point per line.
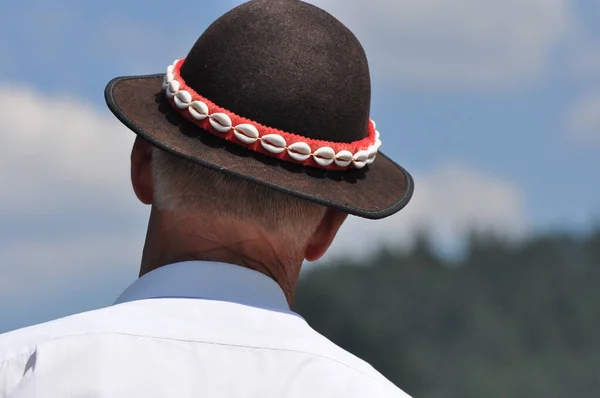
495	110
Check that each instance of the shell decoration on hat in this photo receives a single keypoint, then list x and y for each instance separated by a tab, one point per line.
273	142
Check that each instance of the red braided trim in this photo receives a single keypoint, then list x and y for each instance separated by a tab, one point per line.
266	140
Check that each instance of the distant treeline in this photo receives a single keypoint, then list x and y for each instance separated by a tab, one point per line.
508	321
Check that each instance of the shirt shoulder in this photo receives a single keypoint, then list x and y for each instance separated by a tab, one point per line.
191	333
360	376
21	341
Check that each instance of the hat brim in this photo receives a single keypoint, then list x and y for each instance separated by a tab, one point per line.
377	191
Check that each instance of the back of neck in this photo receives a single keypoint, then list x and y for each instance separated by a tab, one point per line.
173	238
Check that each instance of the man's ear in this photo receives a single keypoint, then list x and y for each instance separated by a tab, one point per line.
320	241
141	170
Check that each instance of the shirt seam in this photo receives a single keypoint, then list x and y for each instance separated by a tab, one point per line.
22	354
256	347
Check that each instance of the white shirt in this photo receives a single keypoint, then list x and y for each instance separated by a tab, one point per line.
193	329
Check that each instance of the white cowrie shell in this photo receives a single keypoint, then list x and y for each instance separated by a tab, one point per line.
377	136
378	144
324	156
374	124
165	83
372	154
360	159
170	69
246	133
175	62
169	77
174	86
183	99
273	143
220	122
299	151
198	110
343	158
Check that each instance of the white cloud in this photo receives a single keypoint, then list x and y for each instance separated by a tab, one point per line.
585	59
56	150
583	120
456	43
448	203
64	169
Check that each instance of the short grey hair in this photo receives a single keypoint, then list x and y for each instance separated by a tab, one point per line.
183	186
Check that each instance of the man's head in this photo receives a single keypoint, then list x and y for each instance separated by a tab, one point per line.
206	214
271	107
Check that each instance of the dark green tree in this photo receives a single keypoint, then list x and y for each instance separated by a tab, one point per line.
508	320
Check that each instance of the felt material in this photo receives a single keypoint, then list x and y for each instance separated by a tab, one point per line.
285	64
288	65
290	138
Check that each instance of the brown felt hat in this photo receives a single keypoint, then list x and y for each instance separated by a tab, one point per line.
287	65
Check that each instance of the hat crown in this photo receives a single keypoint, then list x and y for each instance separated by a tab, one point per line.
285	64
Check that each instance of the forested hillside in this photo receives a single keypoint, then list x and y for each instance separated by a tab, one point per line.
506	321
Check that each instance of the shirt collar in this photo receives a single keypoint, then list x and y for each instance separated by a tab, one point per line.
209	281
